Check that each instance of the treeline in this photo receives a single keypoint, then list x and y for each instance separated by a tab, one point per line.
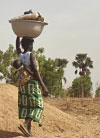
52	73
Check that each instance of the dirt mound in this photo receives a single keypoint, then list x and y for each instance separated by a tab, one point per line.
77	106
56	123
85	110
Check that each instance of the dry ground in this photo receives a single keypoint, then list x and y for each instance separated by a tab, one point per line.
62	118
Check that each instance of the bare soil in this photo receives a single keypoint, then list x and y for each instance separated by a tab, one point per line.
62	118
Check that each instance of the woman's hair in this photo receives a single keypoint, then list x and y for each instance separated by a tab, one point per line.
25	42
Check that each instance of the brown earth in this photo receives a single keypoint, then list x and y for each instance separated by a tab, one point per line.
62	118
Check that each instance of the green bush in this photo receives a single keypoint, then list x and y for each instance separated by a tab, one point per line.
81	87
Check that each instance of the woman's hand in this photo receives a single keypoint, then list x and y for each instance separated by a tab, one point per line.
45	91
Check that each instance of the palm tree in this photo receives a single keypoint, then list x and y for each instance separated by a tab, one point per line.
83	63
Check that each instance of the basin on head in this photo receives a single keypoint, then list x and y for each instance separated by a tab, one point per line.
27	28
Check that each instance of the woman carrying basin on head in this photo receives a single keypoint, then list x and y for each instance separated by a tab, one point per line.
30	101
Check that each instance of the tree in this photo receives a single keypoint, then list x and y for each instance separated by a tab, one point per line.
82	86
97	93
52	71
6	69
84	64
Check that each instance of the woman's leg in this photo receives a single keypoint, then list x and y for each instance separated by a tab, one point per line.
25	127
28	124
29	129
28	121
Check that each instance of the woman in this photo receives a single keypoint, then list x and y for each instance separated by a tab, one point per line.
30	103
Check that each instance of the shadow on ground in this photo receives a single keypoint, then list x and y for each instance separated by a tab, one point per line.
8	134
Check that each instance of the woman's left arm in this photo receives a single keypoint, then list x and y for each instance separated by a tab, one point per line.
37	74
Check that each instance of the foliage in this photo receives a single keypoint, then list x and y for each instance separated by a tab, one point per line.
97	93
83	63
6	59
52	71
70	92
81	87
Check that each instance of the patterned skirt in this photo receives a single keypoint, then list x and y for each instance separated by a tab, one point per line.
30	103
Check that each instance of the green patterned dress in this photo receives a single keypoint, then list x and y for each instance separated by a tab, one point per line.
30	103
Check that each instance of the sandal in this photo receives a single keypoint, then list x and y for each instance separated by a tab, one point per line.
24	130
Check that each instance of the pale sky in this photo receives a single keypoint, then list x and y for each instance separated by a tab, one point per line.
73	27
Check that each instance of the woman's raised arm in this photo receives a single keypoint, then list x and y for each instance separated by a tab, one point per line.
18	49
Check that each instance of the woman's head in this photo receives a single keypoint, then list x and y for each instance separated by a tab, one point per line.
27	43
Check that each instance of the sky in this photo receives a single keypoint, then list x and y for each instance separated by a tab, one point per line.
73	27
